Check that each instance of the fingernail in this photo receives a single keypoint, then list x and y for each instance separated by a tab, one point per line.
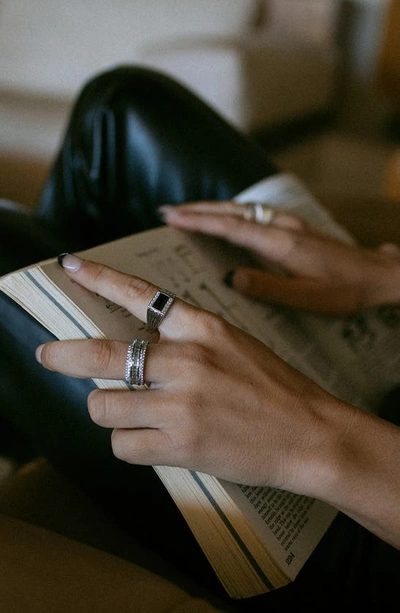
228	279
164	211
38	353
69	262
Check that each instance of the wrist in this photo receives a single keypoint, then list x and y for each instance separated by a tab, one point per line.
326	456
355	469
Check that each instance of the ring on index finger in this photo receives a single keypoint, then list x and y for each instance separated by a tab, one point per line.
158	308
259	212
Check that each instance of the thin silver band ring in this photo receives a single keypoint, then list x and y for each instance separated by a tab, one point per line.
259	212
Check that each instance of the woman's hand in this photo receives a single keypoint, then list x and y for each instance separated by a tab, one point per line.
221	402
321	274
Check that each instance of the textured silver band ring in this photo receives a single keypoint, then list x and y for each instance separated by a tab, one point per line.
158	308
134	367
259	212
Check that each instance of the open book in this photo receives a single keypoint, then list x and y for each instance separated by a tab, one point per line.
256	538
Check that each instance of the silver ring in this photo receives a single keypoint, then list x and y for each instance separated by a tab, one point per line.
259	212
158	308
134	367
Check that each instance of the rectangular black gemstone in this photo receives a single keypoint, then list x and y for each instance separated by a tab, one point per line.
160	302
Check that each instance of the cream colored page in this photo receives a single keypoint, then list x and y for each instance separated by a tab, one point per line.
290	525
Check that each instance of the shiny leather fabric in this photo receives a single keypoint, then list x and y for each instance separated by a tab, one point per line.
137	140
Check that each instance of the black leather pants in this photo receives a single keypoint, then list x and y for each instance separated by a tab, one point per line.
136	140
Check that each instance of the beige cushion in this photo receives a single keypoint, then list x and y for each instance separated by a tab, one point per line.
60	552
43	572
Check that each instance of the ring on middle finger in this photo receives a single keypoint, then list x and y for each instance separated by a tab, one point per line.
259	212
134	366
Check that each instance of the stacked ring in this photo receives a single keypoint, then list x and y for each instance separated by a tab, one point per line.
134	367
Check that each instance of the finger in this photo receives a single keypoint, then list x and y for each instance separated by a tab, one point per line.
290	249
127	409
270	241
94	358
104	359
297	292
181	214
129	292
203	207
148	447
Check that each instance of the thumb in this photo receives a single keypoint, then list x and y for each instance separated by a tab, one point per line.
297	292
260	284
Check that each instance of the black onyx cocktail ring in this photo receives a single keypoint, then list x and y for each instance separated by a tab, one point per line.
158	308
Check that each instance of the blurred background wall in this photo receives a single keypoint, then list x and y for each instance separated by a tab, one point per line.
264	64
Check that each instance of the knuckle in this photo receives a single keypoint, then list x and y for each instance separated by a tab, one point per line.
191	354
49	355
295	223
102	353
196	360
136	288
299	224
101	270
213	325
98	407
233	227
185	447
119	445
188	434
100	273
292	242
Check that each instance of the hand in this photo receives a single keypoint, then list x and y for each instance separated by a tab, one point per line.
321	274
221	402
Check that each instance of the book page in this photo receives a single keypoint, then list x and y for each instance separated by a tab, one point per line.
289	524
